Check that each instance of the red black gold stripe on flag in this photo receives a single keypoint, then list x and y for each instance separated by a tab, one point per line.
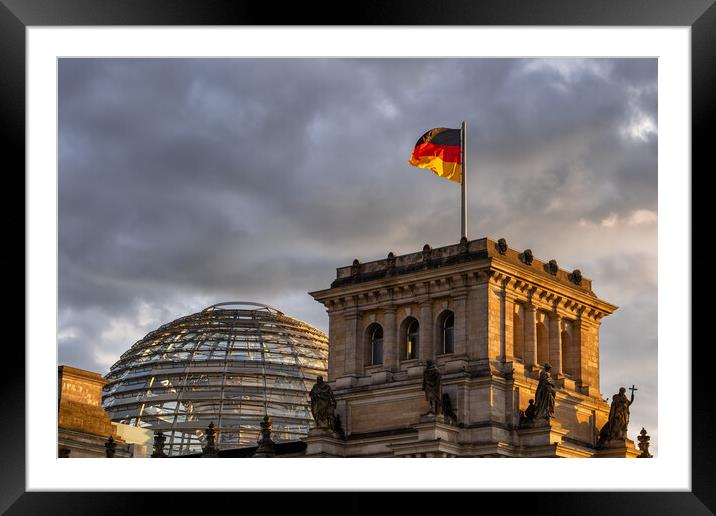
439	150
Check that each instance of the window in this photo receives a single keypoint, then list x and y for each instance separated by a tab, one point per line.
567	356
542	344
376	345
448	333
412	335
518	335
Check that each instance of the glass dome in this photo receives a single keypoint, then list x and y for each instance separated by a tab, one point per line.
231	363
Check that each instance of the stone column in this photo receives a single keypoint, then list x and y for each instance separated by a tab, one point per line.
354	357
495	330
390	339
460	334
530	335
426	349
555	343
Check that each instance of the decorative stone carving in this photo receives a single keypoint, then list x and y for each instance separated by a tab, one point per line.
427	253
501	246
576	277
462	247
355	268
643	439
615	429
110	447
266	446
323	404
159	439
551	267
210	450
527	418
390	260
432	387
266	429
526	257
544	395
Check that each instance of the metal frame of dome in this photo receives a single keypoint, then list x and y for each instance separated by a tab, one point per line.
242	303
225	364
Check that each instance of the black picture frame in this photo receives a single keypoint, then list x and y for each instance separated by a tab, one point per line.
700	15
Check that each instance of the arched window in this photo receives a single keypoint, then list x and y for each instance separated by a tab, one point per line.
542	344
448	333
411	339
376	345
518	335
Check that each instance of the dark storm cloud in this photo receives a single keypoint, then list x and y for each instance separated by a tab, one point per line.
184	182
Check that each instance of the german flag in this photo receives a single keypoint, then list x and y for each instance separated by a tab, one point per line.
439	150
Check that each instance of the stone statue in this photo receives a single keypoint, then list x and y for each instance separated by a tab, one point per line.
432	387
390	264
266	445
502	246
427	253
527	418
527	257
544	396
576	277
616	426
210	449
266	429
530	411
323	404
159	439
551	267
109	447
643	439
463	245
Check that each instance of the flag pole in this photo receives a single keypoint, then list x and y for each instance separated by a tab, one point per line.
463	178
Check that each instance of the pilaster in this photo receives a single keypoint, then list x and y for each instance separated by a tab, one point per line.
530	358
589	356
353	345
460	323
555	343
426	350
390	339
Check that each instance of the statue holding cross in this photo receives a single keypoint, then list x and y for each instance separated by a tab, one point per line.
616	427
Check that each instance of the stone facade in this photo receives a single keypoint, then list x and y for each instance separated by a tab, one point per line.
83	426
489	316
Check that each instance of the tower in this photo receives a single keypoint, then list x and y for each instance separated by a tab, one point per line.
489	317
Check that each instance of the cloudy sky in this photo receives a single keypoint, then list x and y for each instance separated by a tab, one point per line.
188	182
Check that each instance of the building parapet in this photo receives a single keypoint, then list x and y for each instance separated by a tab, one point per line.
462	252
